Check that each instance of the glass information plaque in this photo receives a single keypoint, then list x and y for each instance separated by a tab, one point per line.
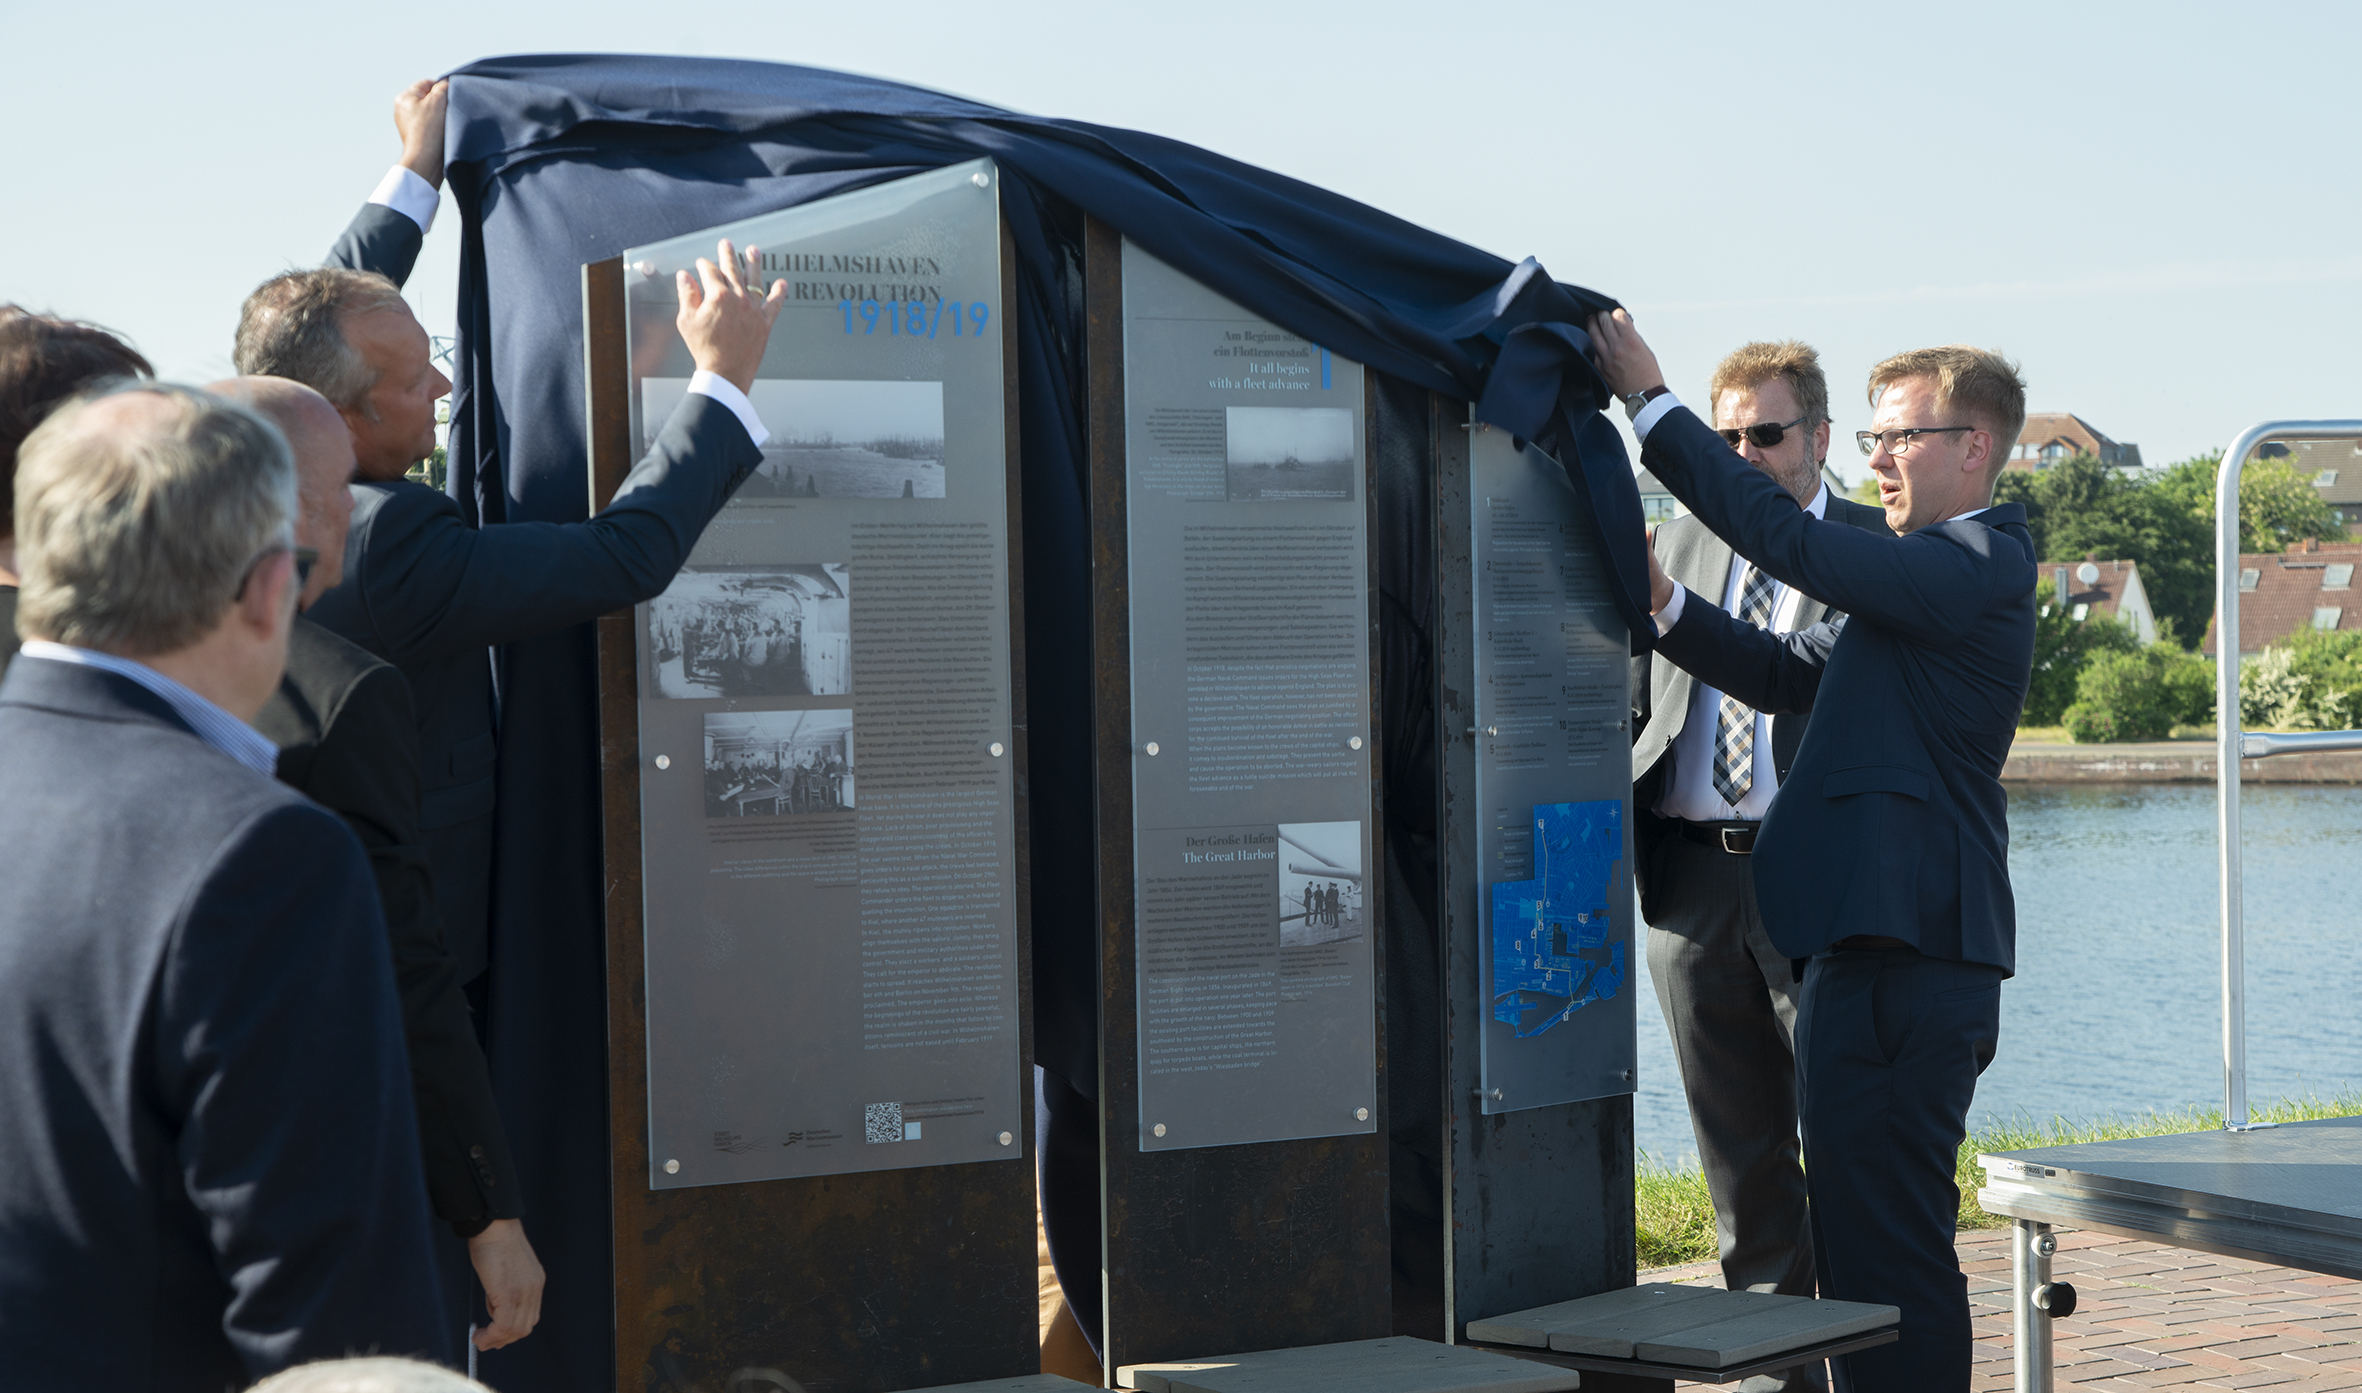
1553	777
1249	579
827	798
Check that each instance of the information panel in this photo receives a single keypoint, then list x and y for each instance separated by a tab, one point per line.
1553	774
1247	502
827	798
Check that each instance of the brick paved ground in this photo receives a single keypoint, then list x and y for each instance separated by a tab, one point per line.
2149	1317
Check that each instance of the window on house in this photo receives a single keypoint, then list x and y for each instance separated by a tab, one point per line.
2248	576
2326	479
2326	616
2338	577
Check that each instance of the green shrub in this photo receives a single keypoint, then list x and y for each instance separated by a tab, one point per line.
2140	695
2312	682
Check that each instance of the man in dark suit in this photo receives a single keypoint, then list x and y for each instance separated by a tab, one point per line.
43	360
1884	861
430	593
1705	767
209	1168
347	738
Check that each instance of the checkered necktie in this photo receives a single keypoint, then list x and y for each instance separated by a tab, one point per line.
1734	729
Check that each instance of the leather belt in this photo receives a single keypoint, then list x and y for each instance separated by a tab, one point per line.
1737	838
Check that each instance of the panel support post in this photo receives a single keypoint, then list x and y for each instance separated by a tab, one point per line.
2030	1248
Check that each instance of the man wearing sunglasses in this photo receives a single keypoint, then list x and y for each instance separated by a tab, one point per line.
348	739
1705	767
1883	864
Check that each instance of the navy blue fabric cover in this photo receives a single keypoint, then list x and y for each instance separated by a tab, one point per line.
559	160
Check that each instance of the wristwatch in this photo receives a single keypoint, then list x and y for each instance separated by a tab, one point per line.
1637	400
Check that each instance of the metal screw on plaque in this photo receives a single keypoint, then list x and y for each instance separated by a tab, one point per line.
672	1168
1361	1114
647	269
1492	730
664	761
1627	1076
1496	1095
996	749
1007	1137
1150	747
1354	743
980	179
1159	1129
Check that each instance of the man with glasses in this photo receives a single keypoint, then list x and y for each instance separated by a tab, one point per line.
1705	767
348	739
1883	865
209	1164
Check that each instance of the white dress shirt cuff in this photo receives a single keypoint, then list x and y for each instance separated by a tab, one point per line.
1670	615
1653	413
721	389
414	198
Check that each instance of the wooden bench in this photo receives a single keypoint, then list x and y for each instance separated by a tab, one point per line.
1399	1364
1640	1339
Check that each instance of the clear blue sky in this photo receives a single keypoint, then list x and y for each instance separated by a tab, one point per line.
2155	207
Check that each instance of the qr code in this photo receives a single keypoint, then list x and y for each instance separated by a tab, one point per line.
881	1122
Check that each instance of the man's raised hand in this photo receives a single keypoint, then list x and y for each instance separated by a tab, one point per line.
1624	360
418	118
725	325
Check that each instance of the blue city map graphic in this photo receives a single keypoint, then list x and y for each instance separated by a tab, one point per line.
1551	955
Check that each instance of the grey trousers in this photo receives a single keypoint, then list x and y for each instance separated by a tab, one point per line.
1730	1000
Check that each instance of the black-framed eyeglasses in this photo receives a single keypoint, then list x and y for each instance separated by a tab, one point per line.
305	559
1898	442
1763	435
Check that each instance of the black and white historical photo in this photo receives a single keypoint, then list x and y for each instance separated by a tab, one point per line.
778	763
1320	898
834	439
1290	454
753	631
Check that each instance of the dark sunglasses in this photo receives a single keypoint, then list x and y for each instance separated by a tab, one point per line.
305	559
1763	435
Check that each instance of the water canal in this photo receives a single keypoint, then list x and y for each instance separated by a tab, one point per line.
2115	1008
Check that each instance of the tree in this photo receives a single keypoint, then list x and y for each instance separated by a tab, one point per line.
2080	506
2277	505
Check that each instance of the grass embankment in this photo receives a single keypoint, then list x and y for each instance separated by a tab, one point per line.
1676	1219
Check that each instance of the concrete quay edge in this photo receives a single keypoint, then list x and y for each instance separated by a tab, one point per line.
2167	762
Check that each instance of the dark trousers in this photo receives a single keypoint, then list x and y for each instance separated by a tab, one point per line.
1066	1158
1729	999
1889	1045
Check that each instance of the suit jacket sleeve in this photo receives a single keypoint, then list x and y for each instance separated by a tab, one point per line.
366	771
1924	584
1774	673
278	1052
381	240
432	586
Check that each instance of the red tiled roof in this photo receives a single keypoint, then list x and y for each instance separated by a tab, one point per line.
2288	590
2073	434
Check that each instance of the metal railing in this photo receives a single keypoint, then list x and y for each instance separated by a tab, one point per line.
2232	744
